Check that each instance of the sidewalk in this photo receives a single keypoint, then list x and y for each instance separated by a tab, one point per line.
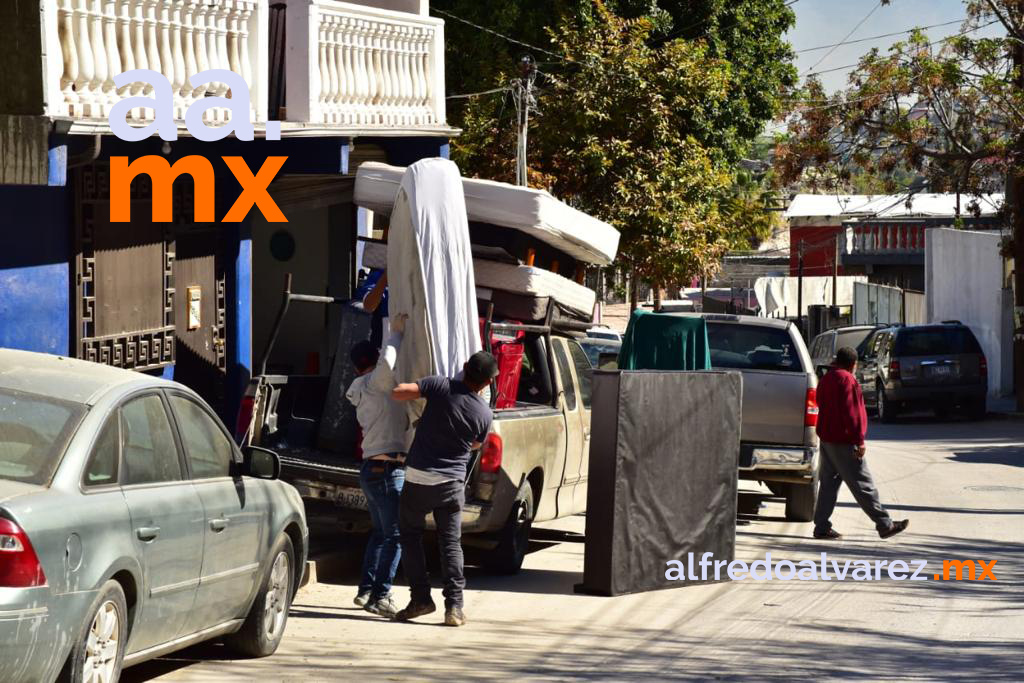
1004	409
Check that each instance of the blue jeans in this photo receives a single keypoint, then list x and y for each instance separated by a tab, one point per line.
382	483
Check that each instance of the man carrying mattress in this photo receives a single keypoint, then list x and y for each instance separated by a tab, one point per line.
455	422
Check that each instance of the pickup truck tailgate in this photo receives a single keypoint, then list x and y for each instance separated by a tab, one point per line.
774	407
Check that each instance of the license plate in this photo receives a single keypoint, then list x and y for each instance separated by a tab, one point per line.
942	371
353	498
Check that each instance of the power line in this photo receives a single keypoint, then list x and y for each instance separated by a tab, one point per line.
845	38
503	88
878	37
499	35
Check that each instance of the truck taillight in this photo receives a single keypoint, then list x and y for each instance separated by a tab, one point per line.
984	367
490	454
894	370
811	413
244	416
19	566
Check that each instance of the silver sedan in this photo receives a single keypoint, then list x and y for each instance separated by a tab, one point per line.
131	525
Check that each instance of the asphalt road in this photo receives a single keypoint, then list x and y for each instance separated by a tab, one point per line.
961	485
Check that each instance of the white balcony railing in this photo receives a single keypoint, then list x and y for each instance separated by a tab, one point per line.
177	38
886	238
359	66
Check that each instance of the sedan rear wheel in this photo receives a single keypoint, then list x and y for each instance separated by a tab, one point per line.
98	654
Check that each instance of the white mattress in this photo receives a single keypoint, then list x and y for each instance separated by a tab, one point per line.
534	212
534	282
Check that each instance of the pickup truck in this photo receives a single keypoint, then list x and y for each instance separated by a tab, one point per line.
532	466
778	444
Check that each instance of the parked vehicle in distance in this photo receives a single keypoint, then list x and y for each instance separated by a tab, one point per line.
937	366
131	525
823	347
778	445
603	332
603	353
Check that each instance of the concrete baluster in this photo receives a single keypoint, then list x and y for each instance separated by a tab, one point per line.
69	51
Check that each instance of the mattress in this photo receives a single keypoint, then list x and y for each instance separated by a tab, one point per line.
534	212
536	283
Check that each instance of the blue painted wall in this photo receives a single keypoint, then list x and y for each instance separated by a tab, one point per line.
35	251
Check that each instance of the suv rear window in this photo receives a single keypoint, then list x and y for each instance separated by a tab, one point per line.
936	341
752	347
34	431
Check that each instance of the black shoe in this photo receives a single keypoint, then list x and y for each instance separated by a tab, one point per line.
830	535
363	598
895	528
416	609
383	606
453	616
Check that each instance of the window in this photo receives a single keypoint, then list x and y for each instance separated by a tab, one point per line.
209	451
566	376
150	455
936	341
584	372
102	467
33	434
752	347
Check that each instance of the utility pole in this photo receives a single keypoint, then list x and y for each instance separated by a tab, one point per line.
835	270
524	97
800	289
1015	201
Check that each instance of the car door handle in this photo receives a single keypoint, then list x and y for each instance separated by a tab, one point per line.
219	525
147	533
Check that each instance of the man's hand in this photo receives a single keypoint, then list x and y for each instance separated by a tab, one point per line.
409	391
860	450
398	323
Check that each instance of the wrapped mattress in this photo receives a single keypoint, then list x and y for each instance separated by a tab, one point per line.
534	212
521	292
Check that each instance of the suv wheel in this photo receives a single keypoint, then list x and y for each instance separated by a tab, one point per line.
886	408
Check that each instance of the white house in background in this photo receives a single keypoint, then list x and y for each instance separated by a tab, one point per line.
349	81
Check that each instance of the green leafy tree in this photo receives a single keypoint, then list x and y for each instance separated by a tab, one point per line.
950	111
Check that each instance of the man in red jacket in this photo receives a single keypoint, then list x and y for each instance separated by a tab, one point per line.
842	426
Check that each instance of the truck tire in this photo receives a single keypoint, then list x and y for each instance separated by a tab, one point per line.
514	538
801	499
264	626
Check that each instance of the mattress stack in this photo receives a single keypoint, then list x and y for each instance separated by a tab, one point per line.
529	249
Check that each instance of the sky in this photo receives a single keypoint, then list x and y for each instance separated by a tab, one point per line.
823	22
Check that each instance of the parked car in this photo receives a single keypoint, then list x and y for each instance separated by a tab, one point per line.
603	332
778	445
603	353
131	525
939	366
823	347
533	466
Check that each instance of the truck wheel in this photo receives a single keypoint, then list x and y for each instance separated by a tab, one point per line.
99	651
801	499
264	626
886	408
514	538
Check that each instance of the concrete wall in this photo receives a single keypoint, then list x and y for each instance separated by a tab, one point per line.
964	281
34	272
421	7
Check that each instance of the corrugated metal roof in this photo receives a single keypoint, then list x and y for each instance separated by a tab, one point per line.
888	206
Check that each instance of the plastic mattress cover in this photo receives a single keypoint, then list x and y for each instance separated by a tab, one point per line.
531	211
430	274
535	282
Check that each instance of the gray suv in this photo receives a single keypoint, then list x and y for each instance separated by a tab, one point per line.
938	366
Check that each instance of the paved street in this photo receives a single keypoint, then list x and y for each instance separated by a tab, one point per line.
961	485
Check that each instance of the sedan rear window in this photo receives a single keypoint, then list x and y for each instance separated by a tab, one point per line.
936	341
752	347
34	430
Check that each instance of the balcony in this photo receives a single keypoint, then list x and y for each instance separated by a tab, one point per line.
900	242
336	67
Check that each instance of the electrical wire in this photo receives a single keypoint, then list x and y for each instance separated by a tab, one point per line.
478	94
845	38
499	35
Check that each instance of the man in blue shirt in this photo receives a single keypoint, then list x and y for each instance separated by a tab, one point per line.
373	293
455	422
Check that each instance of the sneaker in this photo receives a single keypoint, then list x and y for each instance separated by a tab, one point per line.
363	598
414	610
895	528
830	535
453	616
383	606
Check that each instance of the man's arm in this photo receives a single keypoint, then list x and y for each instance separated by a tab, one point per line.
858	415
407	391
383	378
372	300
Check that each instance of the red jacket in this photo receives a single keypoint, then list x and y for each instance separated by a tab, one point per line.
841	416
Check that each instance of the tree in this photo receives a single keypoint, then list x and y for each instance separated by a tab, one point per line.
635	126
951	111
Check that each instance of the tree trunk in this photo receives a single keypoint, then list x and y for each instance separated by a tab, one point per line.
634	291
1015	203
657	296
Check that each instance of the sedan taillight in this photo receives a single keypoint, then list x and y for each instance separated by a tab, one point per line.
19	565
811	412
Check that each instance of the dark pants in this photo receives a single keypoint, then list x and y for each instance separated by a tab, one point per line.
839	463
382	483
445	501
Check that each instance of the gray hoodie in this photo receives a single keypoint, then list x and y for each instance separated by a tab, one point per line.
384	421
